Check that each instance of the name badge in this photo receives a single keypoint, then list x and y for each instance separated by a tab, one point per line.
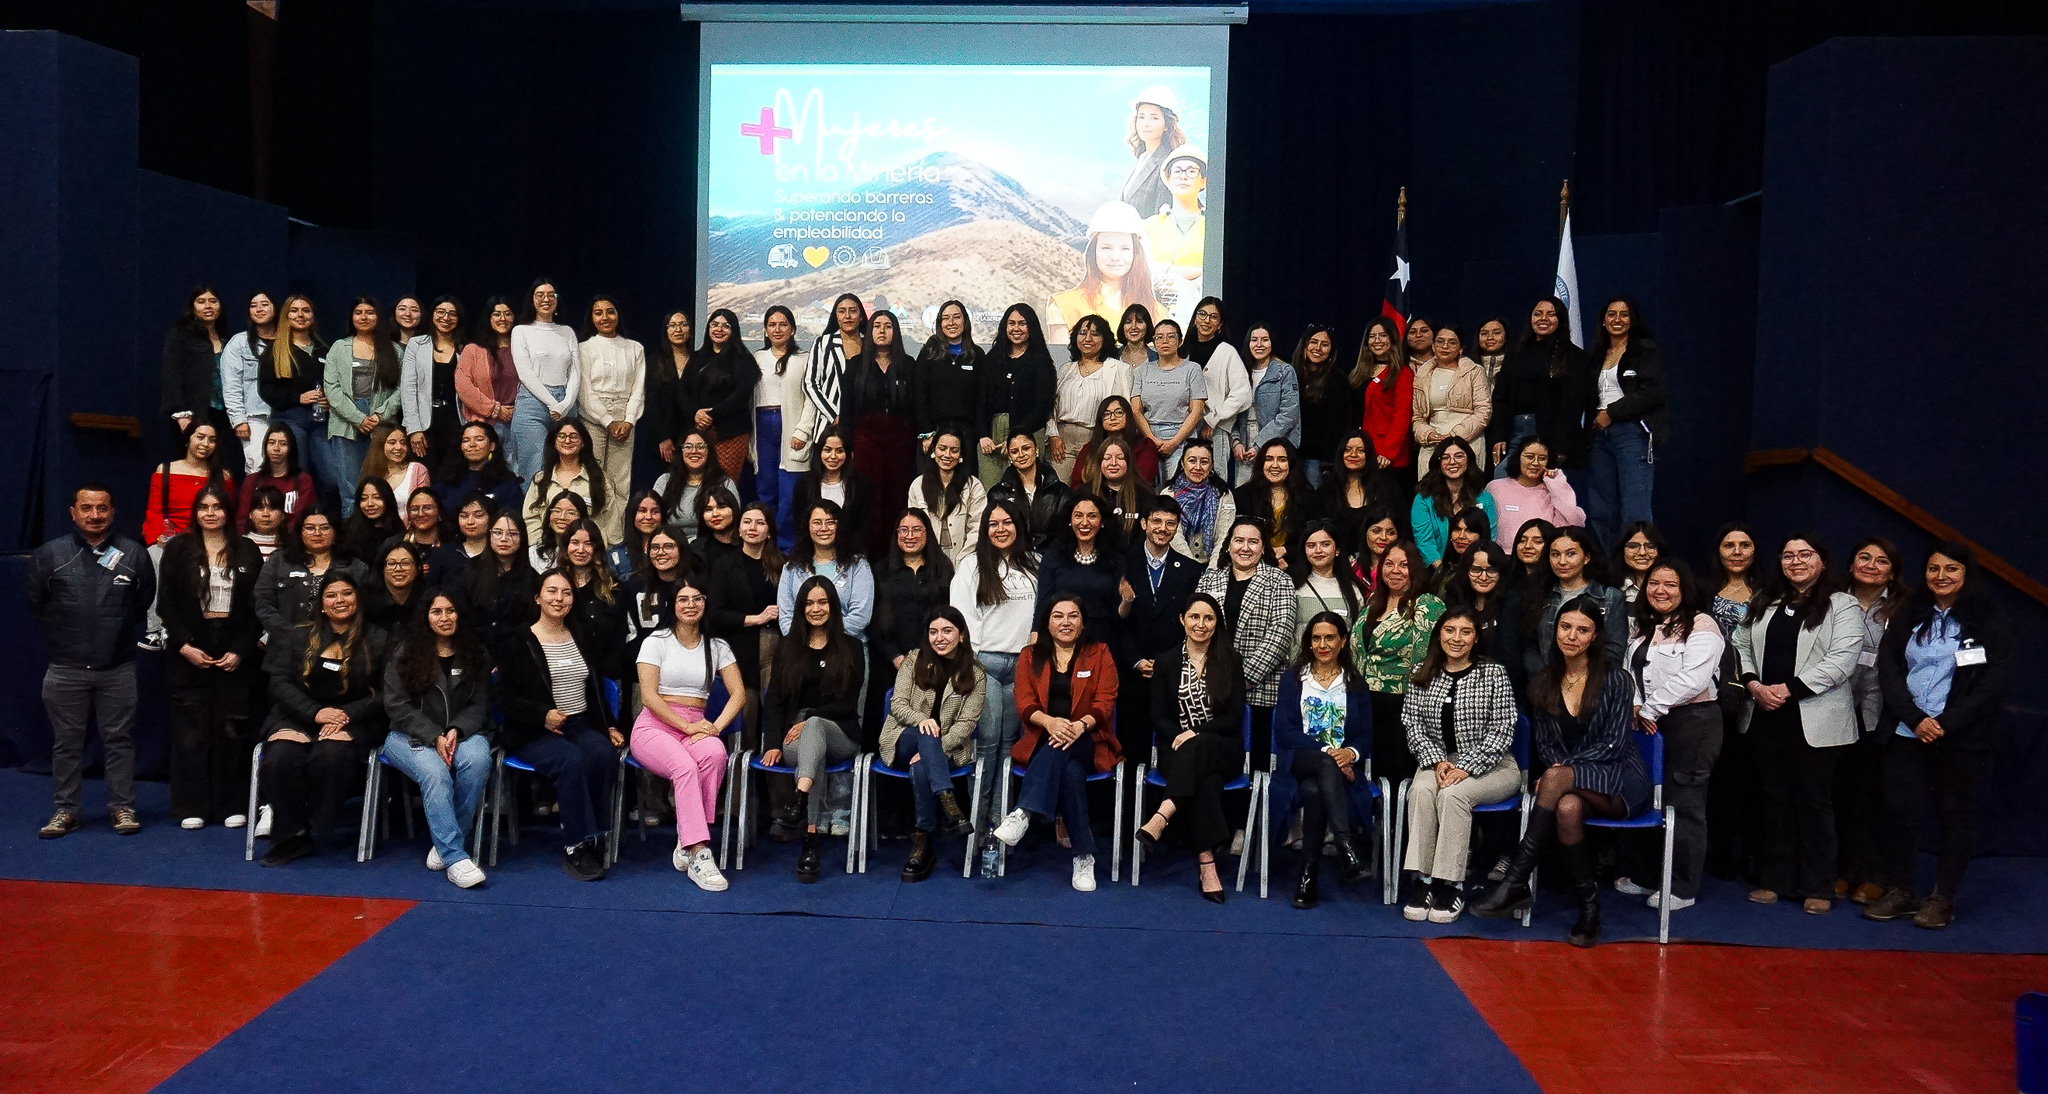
297	573
1970	655
331	666
123	579
1083	675
967	368
112	558
1514	508
1868	658
454	672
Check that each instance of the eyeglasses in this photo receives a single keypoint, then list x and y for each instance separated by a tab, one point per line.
398	564
1484	571
694	447
1799	556
689	600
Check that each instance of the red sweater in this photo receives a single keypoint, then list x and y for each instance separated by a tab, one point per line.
161	520
1388	416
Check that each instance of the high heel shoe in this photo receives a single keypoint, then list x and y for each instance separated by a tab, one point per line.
1217	895
1146	839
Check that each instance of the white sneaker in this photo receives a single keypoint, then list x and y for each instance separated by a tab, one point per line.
1677	902
263	821
1084	873
466	874
1013	828
842	821
704	871
1629	888
192	824
236	821
1237	843
679	858
434	859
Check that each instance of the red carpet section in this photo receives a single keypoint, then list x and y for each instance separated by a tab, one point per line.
1741	1020
108	989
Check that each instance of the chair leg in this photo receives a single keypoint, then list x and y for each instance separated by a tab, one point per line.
725	800
1393	835
366	835
1137	821
974	834
1529	916
496	805
1664	891
1116	827
249	828
746	818
854	815
611	849
1251	830
405	798
1003	791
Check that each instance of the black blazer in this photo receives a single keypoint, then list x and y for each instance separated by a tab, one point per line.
1226	719
725	387
949	393
1022	387
1525	386
189	368
526	691
1154	622
780	713
853	516
737	588
1970	719
183	592
1641	372
292	705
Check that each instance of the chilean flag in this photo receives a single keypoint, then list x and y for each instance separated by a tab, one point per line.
1395	305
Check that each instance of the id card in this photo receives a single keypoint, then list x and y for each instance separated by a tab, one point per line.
1970	655
1867	659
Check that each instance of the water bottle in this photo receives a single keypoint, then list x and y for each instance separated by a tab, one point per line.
988	856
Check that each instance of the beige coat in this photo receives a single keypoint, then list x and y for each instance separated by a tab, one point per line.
1463	409
911	704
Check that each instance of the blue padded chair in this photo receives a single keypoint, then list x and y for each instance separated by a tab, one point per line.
1254	781
711	708
1378	791
1116	826
373	805
869	764
499	798
1655	815
1518	803
739	817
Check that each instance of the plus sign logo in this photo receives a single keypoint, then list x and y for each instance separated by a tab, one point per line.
765	130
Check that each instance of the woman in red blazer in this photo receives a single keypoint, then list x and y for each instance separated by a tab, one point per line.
1066	690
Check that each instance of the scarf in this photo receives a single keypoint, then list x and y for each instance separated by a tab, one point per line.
1198	506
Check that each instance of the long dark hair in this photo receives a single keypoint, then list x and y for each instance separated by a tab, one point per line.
1679	620
1812	610
1546	688
459	337
1638	326
293	543
1313	378
602	584
845	552
1972	604
1435	659
936	571
781	359
526	311
550	542
942	500
989	560
1471	519
1307	657
418	653
292	466
321	632
1101	326
1139	311
679	472
385	351
483	580
589	329
1043	649
1648	530
1255	497
189	322
1222	668
717	366
364	533
1397	355
487	335
1717	571
1199	351
1526	579
1034	334
1064	544
1378	605
724	498
932	671
1895	589
771	552
550	459
1437	488
1558	347
793	655
1299	568
1456	588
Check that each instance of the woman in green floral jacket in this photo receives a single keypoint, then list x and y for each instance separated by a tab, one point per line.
1391	637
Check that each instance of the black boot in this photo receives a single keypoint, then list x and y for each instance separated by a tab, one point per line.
1578	862
1353	865
922	858
807	861
1512	896
790	820
1305	889
951	821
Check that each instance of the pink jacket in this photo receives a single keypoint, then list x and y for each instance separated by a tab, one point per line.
1516	505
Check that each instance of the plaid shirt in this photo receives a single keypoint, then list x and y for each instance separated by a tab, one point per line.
1264	629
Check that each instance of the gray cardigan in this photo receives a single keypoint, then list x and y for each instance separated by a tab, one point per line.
1484	724
1825	662
957	715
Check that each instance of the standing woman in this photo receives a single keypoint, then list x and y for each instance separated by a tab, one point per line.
477	466
1114	419
1874	569
743	609
1111	475
1031	483
1066	703
723	391
812	707
563	466
241	370
437	694
673	739
825	372
432	404
288	381
1325	720
936	704
669	409
191	371
1493	348
280	471
1945	667
1224	374
694	473
390	458
1541	391
916	578
550	377
1329	397
881	409
1016	392
1641	548
833	478
1627	413
501	586
361	381
1082	563
1322	580
1420	342
1207	507
1452	398
1731	578
1469	529
1390	638
1353	487
821	551
1091	375
948	372
1459	720
486	377
952	498
1582	707
1198	699
408	321
1381	532
1279	499
325	717
1797	649
1575	571
776	464
1134	337
612	399
175	485
1274	412
1168	396
995	590
1454	483
1258	620
207	599
1534	489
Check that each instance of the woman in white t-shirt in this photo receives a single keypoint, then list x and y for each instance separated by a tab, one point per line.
671	737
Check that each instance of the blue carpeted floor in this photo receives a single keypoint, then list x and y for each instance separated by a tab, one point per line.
1999	911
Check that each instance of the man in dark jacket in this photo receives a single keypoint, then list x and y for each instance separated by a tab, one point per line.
1157	583
88	591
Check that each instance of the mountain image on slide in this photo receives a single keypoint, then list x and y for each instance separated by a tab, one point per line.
968	191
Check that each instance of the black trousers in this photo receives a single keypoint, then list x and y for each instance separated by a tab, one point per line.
1735	811
1692	742
1799	808
1912	771
1390	755
1325	799
1859	809
579	762
305	784
1195	774
210	748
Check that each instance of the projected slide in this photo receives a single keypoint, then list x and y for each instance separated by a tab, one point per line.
1075	189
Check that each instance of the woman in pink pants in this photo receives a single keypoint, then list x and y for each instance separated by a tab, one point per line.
671	737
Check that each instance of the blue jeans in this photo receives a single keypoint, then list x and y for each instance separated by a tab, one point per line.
580	761
1618	480
528	430
449	795
345	459
1313	471
772	485
1057	781
997	731
930	776
1523	429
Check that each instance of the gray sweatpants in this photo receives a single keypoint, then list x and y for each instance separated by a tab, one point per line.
821	745
72	696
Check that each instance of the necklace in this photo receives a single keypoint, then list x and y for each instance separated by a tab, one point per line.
1084	559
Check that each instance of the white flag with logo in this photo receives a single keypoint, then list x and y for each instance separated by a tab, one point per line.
1567	288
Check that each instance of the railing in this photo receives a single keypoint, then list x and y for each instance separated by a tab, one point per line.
1897	503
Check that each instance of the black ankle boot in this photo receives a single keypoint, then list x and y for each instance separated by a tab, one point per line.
1353	865
1578	861
951	821
922	858
1512	896
790	819
1305	889
807	860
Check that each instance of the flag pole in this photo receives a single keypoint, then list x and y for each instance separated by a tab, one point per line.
1401	209
1564	206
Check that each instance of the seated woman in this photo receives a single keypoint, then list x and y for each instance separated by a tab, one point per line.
1198	715
437	693
1325	717
324	719
815	694
939	694
555	720
1460	718
1066	695
375	519
1279	498
671	737
1582	706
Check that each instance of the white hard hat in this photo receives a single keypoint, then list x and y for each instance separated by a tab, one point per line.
1116	216
1158	95
1184	152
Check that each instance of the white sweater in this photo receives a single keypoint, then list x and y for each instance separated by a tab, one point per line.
1230	388
1003	627
545	355
613	381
